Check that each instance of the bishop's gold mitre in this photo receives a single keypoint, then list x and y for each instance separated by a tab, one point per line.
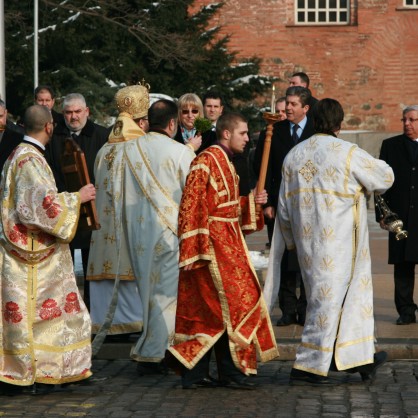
133	100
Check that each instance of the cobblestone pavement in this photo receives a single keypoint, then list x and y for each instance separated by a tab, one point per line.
115	390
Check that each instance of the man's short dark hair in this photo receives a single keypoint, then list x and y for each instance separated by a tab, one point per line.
49	89
328	115
303	76
161	112
303	93
212	94
228	122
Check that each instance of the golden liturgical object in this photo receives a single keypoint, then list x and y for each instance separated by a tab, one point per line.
389	218
271	119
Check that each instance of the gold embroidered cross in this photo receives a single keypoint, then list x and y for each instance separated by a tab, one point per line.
308	171
109	157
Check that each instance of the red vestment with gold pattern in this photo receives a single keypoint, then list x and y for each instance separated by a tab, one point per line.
221	292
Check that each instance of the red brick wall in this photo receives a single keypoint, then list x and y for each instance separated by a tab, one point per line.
371	66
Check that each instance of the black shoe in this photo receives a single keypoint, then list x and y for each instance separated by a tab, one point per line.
300	377
237	382
368	371
301	319
43	388
145	368
10	390
287	319
206	382
406	320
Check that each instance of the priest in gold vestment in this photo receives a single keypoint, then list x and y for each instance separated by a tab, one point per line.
220	303
322	214
44	326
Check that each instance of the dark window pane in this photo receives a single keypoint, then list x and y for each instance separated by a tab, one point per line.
311	16
343	3
301	17
332	4
343	16
301	4
409	3
332	16
322	17
322	4
311	4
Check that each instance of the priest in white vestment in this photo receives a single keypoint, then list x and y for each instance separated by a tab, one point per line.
322	215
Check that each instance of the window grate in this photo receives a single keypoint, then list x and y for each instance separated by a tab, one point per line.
319	12
411	3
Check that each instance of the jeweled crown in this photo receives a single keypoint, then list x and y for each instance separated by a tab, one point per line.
134	100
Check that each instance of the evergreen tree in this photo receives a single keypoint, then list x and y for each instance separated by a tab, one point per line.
94	47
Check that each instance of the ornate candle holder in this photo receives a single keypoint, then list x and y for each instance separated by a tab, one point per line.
271	119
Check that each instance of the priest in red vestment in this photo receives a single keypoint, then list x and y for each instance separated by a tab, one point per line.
220	302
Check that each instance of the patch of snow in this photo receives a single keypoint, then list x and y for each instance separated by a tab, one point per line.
72	18
258	260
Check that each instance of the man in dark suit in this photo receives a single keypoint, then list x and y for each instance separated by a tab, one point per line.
45	96
284	138
10	138
90	137
401	153
213	109
302	79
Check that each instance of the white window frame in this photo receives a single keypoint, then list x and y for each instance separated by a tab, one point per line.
413	4
325	10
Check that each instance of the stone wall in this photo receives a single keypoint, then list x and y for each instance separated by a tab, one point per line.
369	141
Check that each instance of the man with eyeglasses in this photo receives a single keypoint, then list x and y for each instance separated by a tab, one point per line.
90	137
401	153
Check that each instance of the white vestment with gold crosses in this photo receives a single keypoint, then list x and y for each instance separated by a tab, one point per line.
145	208
322	212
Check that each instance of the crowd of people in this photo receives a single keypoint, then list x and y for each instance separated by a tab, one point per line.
169	268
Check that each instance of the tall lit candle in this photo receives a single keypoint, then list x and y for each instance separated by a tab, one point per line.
273	101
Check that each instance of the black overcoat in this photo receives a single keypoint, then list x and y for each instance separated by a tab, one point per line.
402	197
90	140
281	144
10	140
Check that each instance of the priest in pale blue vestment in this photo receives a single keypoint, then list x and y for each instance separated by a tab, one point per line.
133	264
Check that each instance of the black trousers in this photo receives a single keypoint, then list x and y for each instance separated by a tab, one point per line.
270	227
404	275
226	366
289	302
86	284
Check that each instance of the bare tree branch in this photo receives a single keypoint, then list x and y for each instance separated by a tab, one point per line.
172	47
